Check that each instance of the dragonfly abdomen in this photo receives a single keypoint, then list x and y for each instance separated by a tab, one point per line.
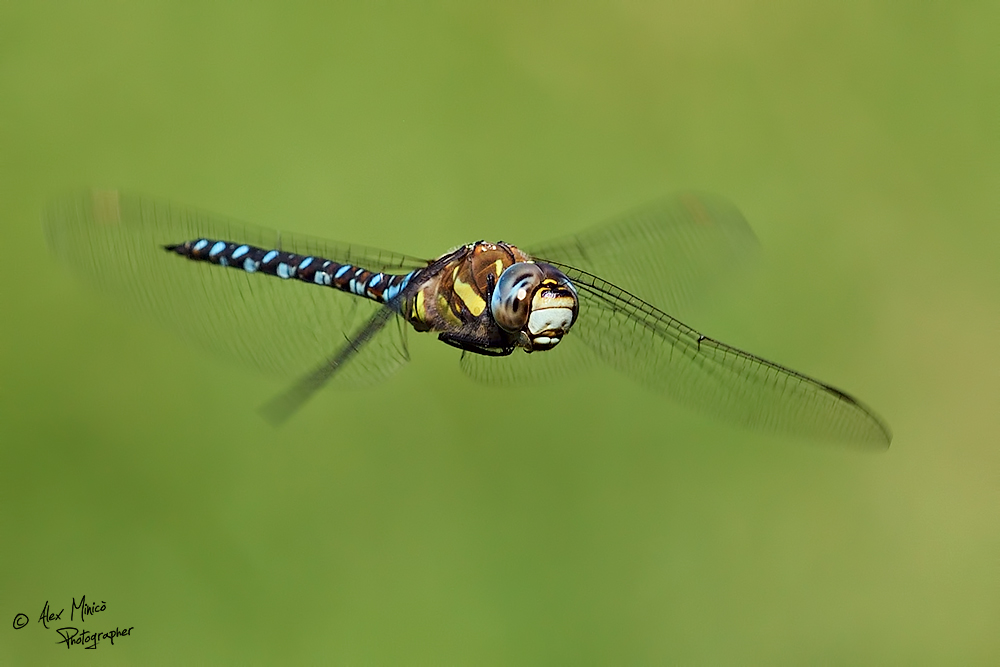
381	287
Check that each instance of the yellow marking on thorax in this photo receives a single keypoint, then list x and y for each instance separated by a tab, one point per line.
418	307
445	311
498	267
464	290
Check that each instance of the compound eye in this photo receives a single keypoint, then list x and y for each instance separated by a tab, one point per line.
511	301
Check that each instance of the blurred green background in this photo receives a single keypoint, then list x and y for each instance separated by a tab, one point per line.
399	524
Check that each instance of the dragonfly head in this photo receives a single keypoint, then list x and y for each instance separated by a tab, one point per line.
536	301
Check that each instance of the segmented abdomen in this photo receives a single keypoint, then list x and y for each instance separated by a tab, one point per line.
381	287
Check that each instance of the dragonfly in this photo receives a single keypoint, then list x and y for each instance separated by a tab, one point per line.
270	299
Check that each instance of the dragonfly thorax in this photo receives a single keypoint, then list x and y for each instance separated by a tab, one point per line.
535	301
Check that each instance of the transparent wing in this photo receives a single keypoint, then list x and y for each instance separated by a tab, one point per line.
669	252
657	350
519	368
283	327
672	252
282	407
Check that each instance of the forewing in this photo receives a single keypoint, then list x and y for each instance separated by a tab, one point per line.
670	252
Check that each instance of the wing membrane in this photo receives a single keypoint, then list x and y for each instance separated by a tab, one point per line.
282	407
518	368
670	252
659	351
283	327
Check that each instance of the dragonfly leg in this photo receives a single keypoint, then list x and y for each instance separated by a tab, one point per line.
474	345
